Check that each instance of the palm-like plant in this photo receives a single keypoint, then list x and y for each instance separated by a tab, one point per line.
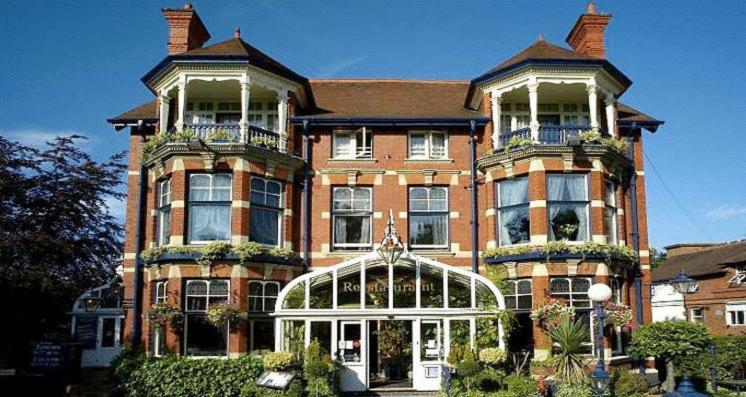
569	336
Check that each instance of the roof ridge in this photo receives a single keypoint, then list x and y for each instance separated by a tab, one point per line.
383	80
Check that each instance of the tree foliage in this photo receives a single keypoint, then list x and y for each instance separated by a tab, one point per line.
670	340
57	235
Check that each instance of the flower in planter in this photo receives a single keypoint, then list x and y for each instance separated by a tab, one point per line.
163	314
224	313
550	312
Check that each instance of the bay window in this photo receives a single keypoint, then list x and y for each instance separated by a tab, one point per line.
263	295
574	290
352	213
265	212
428	217
200	337
353	144
610	218
163	233
428	145
513	220
567	206
209	207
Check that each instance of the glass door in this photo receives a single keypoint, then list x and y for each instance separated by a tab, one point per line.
429	354
351	350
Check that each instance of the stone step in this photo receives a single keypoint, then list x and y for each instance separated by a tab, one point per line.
393	392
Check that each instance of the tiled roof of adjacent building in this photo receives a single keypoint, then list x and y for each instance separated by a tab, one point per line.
389	98
148	111
702	263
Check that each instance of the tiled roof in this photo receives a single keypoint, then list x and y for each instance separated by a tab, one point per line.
628	113
389	98
702	263
541	50
148	111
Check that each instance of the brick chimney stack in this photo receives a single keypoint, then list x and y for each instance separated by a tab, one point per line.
587	36
185	29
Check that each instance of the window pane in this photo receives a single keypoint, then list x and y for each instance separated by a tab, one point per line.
203	338
350	335
404	286
524	287
610	225
377	287
296	297
351	230
431	340
580	285
209	222
459	291
108	332
257	184
431	287
513	191
418	205
566	187
568	221
321	292
274	187
264	226
460	333
439	145
222	180
418	193
221	194
524	302
342	145
484	296
256	288
428	229
199	180
515	225
348	288
559	286
321	331
199	194
417	145
264	336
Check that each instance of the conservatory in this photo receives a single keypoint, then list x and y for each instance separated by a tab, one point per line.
391	324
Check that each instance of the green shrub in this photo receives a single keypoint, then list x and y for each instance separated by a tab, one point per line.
573	389
295	389
319	372
125	363
182	377
492	356
278	361
523	386
625	383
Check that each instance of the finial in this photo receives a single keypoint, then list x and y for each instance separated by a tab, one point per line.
237	33
591	8
540	38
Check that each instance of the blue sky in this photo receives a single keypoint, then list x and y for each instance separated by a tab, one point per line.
70	65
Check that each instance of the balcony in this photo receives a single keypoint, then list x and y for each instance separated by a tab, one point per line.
218	133
548	134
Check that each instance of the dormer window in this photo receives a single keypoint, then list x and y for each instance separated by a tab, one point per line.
353	144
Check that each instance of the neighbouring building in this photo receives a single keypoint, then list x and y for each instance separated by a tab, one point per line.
238	148
718	299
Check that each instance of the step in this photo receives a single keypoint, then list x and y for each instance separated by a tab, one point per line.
393	392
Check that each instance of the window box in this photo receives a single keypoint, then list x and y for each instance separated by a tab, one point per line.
265	257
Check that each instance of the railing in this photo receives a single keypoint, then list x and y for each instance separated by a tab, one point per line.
548	134
231	132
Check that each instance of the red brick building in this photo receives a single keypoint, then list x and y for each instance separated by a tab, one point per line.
238	148
719	298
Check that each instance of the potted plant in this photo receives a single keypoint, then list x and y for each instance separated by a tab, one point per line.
163	314
391	343
224	314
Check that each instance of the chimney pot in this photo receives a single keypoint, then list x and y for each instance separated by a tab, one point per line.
237	32
591	8
188	6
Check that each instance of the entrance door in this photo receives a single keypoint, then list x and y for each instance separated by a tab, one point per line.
390	354
351	347
428	354
108	342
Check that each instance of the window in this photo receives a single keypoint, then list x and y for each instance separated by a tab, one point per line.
350	341
518	295
514	224
735	313
261	336
353	144
567	204
697	315
161	292
164	213
428	145
202	338
209	207
428	217
573	290
263	295
618	341
265	212
352	217
263	114
610	218
160	295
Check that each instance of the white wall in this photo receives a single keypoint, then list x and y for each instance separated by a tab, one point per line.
667	303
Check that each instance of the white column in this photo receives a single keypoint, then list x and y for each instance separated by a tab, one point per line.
495	100
533	103
182	104
593	106
282	119
245	96
163	101
610	114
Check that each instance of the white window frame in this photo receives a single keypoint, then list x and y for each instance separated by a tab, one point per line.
350	213
268	111
354	151
164	209
697	315
586	202
429	153
263	297
207	297
617	289
611	206
738	278
280	209
514	297
735	311
211	188
500	207
160	296
429	210
161	292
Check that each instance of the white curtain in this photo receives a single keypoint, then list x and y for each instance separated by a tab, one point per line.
351	229
208	222
428	229
264	226
513	192
567	188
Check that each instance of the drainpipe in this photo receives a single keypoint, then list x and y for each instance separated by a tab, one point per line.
635	227
306	209
138	277
474	198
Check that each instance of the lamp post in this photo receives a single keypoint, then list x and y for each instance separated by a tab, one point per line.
91	303
391	246
599	293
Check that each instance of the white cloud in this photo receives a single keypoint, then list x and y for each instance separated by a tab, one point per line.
339	66
727	212
36	137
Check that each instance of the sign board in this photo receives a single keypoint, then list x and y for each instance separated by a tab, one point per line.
275	380
48	355
86	329
128	303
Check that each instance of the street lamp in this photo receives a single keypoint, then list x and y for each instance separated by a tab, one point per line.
91	303
391	247
599	293
683	284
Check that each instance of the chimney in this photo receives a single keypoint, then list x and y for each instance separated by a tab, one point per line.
185	30
587	36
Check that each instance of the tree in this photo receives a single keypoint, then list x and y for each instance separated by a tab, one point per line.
570	337
673	341
657	258
57	235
